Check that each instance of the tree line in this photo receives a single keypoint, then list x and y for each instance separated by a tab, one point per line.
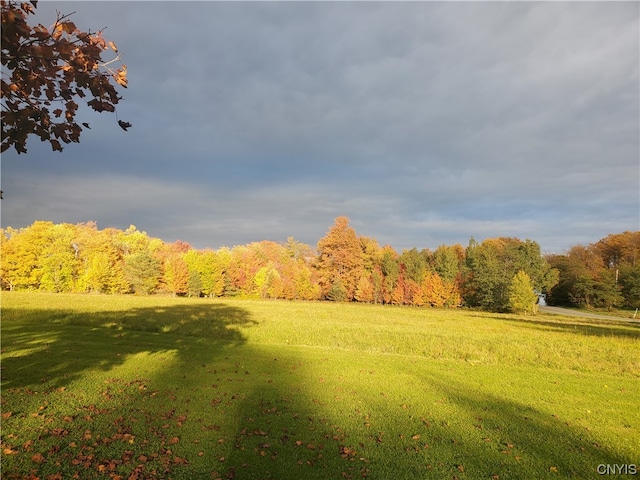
499	274
605	274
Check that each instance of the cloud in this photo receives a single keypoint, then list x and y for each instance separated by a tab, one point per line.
424	122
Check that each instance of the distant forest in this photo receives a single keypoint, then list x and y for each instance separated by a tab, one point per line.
343	267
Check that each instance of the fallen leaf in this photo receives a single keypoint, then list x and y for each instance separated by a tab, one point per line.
37	458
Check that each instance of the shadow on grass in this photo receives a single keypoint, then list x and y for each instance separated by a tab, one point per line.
248	408
509	439
59	345
597	328
210	406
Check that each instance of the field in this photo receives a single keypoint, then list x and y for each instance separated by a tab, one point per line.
129	387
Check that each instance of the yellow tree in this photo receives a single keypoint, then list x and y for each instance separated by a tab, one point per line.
22	254
364	290
102	263
176	275
175	269
522	298
60	260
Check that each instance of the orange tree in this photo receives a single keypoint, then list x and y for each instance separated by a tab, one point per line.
45	69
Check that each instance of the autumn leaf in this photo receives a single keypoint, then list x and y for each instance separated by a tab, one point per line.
68	66
68	27
6	415
347	452
121	76
37	458
124	125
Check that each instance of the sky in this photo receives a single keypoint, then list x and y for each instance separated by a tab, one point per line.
425	123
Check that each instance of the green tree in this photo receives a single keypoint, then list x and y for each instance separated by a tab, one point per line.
490	267
522	298
585	279
390	269
337	292
485	284
630	283
415	264
447	260
194	284
142	272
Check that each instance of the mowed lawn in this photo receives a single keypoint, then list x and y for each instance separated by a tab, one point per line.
129	387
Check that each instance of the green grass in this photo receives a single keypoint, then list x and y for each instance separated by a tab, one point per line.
150	387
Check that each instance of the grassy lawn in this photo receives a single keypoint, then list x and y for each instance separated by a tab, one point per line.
136	388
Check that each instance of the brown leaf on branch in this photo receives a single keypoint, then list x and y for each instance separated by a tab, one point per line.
69	65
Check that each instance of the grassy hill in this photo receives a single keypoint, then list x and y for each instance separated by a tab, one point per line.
150	387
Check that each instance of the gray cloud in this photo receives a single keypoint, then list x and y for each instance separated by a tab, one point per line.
425	123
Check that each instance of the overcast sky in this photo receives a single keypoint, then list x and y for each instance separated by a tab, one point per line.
425	123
